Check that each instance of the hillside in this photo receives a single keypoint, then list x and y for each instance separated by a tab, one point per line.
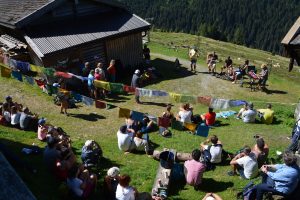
88	122
258	24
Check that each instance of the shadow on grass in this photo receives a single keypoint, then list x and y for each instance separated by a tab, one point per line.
267	91
115	98
88	117
154	103
167	70
218	186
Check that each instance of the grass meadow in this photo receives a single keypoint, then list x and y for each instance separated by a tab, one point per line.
102	125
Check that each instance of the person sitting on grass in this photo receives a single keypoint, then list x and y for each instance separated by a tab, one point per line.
81	182
56	157
227	66
280	179
15	117
212	196
249	115
125	139
266	115
209	117
111	182
28	121
245	163
185	114
194	169
168	113
42	129
261	151
6	113
214	150
244	108
9	101
241	72
141	144
124	190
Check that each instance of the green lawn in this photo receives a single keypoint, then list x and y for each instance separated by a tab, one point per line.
102	125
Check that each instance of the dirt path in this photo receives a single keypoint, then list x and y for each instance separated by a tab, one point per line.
203	82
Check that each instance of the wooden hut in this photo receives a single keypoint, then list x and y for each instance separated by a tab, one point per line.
74	31
291	43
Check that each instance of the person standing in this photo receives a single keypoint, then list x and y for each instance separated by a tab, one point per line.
193	54
136	83
146	53
111	70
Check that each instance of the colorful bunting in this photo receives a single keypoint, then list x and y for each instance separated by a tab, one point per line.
29	79
128	89
175	97
87	100
102	84
219	103
35	68
205	100
63	74
116	87
24	67
188	99
124	113
17	75
5	72
100	104
137	116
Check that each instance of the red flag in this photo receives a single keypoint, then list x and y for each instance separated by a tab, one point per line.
63	74
100	104
128	89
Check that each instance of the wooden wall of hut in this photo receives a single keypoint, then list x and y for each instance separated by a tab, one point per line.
127	48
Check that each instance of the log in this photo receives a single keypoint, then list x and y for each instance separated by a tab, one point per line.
178	156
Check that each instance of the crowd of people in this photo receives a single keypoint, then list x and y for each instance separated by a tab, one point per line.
133	137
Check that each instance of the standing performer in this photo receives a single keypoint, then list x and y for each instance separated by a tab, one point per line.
193	54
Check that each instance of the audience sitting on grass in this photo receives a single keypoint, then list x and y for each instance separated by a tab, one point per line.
91	153
261	151
194	169
212	196
185	114
125	139
81	182
295	144
249	115
213	151
280	179
28	121
168	113
15	117
42	129
111	182
6	113
245	163
124	190
9	101
244	108
57	155
209	117
141	144
266	115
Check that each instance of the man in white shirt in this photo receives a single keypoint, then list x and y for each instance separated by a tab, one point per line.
215	149
245	163
249	115
125	139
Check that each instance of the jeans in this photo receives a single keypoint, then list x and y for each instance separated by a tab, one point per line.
267	185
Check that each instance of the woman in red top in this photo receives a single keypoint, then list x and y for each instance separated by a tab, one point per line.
210	117
111	70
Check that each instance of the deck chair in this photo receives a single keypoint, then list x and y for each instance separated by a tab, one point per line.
202	130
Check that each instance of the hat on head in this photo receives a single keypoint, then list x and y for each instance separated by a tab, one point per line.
88	143
42	121
137	71
113	172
